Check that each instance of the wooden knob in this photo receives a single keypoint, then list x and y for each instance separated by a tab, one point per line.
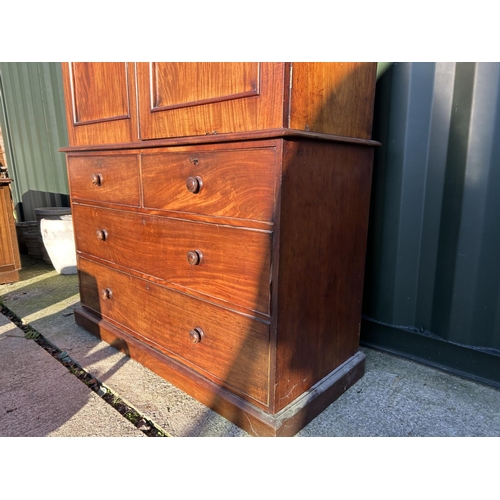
196	335
97	179
194	257
194	184
106	293
102	234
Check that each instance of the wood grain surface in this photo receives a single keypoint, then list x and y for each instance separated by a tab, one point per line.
238	343
221	214
235	267
238	183
113	179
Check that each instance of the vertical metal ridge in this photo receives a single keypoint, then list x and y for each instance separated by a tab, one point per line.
34	102
433	262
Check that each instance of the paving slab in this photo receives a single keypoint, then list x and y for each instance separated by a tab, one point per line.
40	397
396	397
45	300
400	398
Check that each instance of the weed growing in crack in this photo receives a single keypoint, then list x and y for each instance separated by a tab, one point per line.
138	420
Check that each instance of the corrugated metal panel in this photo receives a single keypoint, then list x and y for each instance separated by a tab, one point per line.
433	264
34	128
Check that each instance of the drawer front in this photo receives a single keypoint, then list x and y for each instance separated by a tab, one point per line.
234	264
237	183
233	348
110	179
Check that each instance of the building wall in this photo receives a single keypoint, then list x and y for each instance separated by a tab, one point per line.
34	128
433	266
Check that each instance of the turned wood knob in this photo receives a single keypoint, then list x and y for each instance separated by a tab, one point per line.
194	184
196	335
102	234
106	293
97	179
194	257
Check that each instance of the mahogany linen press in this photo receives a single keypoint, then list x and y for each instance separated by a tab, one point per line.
220	214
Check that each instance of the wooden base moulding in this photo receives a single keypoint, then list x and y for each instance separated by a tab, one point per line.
8	275
244	414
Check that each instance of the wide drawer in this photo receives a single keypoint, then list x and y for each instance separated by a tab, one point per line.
110	179
231	264
237	183
231	347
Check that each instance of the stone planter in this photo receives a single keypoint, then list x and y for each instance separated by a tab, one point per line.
49	213
59	241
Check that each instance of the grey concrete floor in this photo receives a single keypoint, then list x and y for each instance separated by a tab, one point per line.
39	397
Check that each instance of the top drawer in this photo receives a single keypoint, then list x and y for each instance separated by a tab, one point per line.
237	183
110	179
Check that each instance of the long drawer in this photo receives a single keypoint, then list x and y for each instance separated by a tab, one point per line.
231	347
106	178
231	264
238	183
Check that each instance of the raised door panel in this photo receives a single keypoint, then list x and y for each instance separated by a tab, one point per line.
209	82
189	99
100	102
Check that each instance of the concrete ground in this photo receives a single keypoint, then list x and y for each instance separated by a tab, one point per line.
41	397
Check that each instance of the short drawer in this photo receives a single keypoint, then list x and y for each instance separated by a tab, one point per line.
237	183
110	179
231	264
230	347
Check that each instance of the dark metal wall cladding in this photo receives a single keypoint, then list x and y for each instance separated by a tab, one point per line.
433	261
34	128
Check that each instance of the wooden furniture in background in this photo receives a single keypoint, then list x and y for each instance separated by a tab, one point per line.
221	214
10	261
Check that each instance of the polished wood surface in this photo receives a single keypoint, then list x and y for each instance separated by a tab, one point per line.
10	261
235	261
259	106
333	98
177	85
226	98
221	139
110	179
168	328
100	102
250	417
221	237
238	183
90	86
323	225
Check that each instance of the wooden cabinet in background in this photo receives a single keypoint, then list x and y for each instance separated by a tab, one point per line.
221	214
10	261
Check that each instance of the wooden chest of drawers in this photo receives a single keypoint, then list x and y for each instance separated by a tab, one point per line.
230	264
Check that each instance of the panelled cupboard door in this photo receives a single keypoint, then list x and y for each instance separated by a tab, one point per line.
100	102
192	99
208	98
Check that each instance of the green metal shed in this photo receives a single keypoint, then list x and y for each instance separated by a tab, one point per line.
34	128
